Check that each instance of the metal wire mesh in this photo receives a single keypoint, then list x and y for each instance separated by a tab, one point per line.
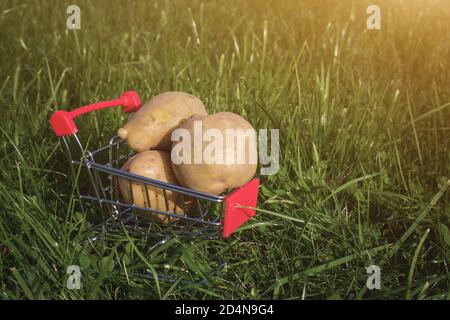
154	215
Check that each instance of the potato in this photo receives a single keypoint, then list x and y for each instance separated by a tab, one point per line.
151	126
154	165
215	174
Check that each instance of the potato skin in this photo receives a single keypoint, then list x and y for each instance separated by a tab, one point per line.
152	125
212	177
154	165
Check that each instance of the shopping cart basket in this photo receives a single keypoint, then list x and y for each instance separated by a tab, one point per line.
214	215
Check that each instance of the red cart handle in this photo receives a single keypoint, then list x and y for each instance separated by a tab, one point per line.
62	121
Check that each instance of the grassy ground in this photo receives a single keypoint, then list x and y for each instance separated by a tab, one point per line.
364	127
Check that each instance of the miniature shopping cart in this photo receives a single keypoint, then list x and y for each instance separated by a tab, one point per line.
214	215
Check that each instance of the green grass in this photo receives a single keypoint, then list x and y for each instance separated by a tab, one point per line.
364	127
